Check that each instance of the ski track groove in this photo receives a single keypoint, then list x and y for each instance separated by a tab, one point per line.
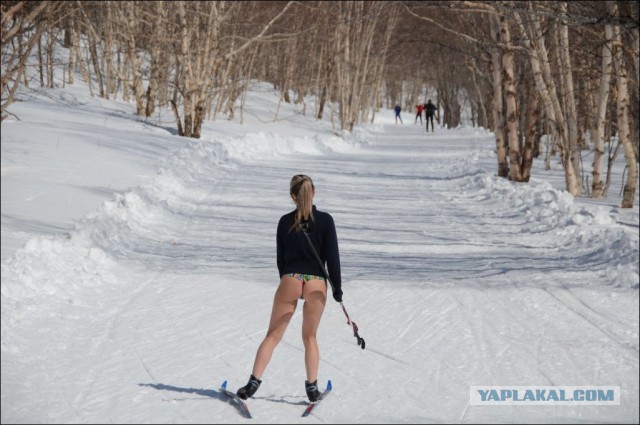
568	305
100	347
145	367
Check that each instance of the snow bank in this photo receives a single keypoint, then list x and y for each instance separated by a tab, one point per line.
270	145
589	233
53	271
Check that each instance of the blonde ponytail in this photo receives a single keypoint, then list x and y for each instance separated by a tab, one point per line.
301	189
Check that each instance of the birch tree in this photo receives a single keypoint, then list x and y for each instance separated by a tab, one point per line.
568	92
498	105
205	55
533	40
622	108
597	133
508	72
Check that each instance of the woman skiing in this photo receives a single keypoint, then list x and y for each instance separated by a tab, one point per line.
301	277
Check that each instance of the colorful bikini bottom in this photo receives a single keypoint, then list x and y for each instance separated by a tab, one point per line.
306	277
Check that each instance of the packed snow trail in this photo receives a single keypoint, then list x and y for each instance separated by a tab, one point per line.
455	278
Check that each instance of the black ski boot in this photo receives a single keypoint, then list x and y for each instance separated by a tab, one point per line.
312	390
249	389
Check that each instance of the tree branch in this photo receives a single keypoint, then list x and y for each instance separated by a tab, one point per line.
264	30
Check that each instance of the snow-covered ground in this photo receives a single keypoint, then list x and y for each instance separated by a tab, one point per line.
138	270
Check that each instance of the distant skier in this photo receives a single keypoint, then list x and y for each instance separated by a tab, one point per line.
301	277
419	109
398	109
429	112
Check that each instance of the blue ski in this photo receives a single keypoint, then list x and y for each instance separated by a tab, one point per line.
237	401
313	405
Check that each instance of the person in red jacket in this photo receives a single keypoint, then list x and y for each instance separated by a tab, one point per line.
419	108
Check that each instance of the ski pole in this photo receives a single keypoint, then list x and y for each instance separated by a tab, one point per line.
360	340
354	326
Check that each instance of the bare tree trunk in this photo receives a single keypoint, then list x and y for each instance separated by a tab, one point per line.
174	108
534	40
344	63
184	61
247	83
110	73
611	159
368	72
158	58
629	193
571	115
498	114
174	99
635	98
284	81
508	73
597	133
123	75
571	179
325	63
84	68
325	85
221	95
531	131
93	51
359	105
392	20
51	44
71	29
133	59
475	72
40	62
93	38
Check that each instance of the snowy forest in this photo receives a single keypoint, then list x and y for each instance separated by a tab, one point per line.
566	72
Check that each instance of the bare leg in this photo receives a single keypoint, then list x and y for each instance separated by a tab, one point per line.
284	305
315	298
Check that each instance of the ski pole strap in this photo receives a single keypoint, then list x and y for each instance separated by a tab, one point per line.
315	253
360	340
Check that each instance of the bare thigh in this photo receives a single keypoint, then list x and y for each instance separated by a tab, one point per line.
285	302
315	298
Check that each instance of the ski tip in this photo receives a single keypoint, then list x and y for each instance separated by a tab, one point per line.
329	386
224	385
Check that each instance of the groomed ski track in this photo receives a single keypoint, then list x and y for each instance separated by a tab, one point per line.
455	278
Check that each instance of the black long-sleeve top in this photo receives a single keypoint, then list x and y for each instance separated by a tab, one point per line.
295	254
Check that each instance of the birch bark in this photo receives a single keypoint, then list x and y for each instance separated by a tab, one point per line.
597	132
622	109
498	114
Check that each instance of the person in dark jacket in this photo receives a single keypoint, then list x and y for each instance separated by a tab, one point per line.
429	112
301	277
